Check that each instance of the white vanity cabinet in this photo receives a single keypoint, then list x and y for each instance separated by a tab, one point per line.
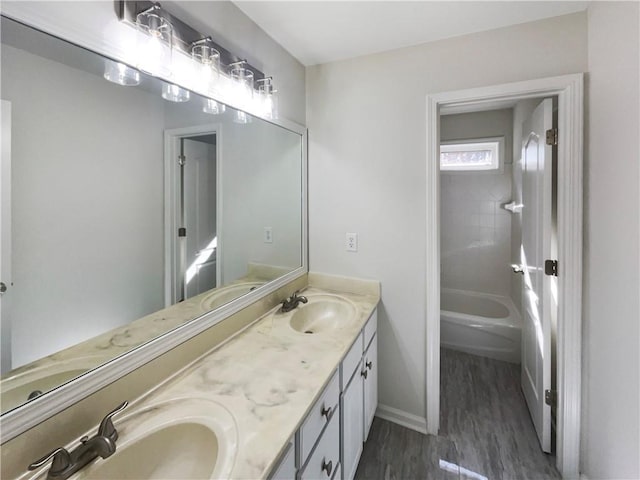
286	469
370	395
359	397
318	439
329	443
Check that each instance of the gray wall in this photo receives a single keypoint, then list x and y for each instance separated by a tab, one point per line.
475	232
611	341
367	139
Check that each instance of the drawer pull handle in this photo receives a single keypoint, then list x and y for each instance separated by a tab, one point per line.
326	412
364	373
369	364
327	467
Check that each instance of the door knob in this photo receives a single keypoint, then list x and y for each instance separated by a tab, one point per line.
517	268
3	287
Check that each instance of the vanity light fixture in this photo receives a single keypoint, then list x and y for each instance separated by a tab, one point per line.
121	74
174	93
267	97
212	107
154	42
242	117
169	48
242	84
206	60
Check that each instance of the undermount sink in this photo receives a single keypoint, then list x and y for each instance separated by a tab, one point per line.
180	439
323	313
225	294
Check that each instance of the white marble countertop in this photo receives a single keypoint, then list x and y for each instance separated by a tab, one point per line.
268	377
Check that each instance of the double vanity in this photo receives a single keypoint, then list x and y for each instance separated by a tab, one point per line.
291	396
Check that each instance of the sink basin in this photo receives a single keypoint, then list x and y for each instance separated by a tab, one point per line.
323	313
180	439
17	388
225	294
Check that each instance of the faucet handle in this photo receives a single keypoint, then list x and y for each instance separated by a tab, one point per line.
61	460
106	428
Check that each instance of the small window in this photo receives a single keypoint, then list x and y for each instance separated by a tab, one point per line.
472	155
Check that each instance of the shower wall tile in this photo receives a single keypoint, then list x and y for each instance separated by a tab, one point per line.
476	231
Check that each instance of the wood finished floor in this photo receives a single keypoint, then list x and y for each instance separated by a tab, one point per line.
485	431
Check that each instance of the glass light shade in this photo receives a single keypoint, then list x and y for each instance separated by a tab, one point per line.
174	93
242	90
206	61
121	74
242	117
212	107
154	42
267	98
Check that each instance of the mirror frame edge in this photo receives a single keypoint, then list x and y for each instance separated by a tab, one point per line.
23	418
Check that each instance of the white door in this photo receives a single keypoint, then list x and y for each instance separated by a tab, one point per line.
5	236
535	249
200	213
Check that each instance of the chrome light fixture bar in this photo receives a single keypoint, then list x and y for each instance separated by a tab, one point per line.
184	36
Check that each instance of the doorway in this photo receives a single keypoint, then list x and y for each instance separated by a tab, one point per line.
192	212
569	92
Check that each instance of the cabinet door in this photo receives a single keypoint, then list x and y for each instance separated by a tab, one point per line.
352	425
286	470
370	365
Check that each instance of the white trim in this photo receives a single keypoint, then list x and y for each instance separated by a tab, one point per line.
569	89
400	417
171	147
6	273
432	270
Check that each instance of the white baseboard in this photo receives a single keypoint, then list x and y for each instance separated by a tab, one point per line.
409	420
583	477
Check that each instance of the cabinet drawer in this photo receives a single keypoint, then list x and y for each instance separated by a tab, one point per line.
350	362
370	328
318	417
326	457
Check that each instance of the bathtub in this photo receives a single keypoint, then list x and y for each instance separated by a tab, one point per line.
481	324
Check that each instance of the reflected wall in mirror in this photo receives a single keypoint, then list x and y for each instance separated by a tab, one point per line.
131	212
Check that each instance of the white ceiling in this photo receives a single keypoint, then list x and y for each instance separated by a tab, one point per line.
324	31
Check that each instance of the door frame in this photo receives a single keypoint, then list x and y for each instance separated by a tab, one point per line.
6	273
171	151
570	92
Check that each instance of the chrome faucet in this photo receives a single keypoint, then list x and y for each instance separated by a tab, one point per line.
65	463
292	302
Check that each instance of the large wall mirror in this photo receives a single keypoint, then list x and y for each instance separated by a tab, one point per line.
130	210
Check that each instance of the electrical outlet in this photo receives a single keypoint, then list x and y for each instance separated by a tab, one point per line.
352	242
268	235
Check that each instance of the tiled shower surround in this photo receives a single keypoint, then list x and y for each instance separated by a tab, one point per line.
475	231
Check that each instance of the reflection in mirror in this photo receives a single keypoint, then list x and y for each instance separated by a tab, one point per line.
135	206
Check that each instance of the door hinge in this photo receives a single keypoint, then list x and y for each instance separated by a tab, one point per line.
551	398
551	267
552	136
182	232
